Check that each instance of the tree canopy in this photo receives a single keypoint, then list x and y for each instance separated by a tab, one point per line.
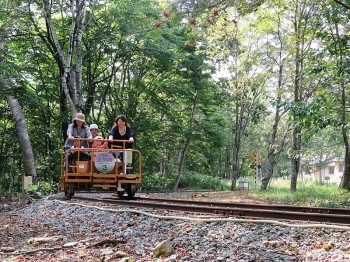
204	84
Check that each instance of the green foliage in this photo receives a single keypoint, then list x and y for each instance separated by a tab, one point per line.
33	191
157	182
189	180
138	62
202	182
47	188
44	189
309	194
315	115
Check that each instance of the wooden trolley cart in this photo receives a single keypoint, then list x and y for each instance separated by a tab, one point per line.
103	170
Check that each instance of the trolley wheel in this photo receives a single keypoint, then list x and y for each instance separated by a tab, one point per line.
69	193
120	193
131	190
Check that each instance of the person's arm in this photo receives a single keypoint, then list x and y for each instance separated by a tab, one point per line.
70	132
110	135
88	133
130	135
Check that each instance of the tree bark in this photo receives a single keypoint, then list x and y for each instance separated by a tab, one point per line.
26	146
345	182
274	149
296	139
71	78
187	143
21	125
236	146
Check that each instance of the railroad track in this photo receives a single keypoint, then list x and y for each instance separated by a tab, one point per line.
299	209
236	210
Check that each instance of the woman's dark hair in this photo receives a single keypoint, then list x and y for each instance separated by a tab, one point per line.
76	125
123	118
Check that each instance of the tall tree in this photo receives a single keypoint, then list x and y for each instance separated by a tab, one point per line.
303	19
245	88
8	30
336	39
275	55
71	75
197	81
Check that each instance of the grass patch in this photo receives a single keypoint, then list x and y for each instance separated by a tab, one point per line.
308	193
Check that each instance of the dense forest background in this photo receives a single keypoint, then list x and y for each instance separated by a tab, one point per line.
204	84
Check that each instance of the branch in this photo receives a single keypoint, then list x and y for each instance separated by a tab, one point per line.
342	4
43	249
31	251
107	241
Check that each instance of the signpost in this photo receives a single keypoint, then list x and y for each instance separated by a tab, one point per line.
255	163
255	159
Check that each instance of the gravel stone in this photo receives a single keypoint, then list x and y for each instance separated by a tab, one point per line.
191	241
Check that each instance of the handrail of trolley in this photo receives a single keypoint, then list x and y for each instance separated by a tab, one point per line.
114	148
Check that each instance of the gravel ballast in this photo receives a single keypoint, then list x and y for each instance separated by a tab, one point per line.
81	227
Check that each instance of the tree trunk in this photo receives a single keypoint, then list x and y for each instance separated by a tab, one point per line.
295	160
296	140
274	151
26	146
235	159
272	154
237	144
269	171
182	164
71	79
187	143
345	181
21	125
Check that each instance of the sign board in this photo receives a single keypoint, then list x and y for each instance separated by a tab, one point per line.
255	159
326	178
104	162
244	185
27	182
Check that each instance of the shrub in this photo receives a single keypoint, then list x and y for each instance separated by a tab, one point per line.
157	182
190	180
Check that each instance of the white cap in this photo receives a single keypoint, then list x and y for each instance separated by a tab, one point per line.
93	126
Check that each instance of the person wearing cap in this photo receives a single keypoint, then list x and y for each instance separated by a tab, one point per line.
98	142
77	128
95	133
94	130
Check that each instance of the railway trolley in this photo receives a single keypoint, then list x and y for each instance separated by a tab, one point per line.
109	169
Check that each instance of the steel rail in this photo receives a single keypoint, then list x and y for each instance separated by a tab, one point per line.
304	209
232	212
